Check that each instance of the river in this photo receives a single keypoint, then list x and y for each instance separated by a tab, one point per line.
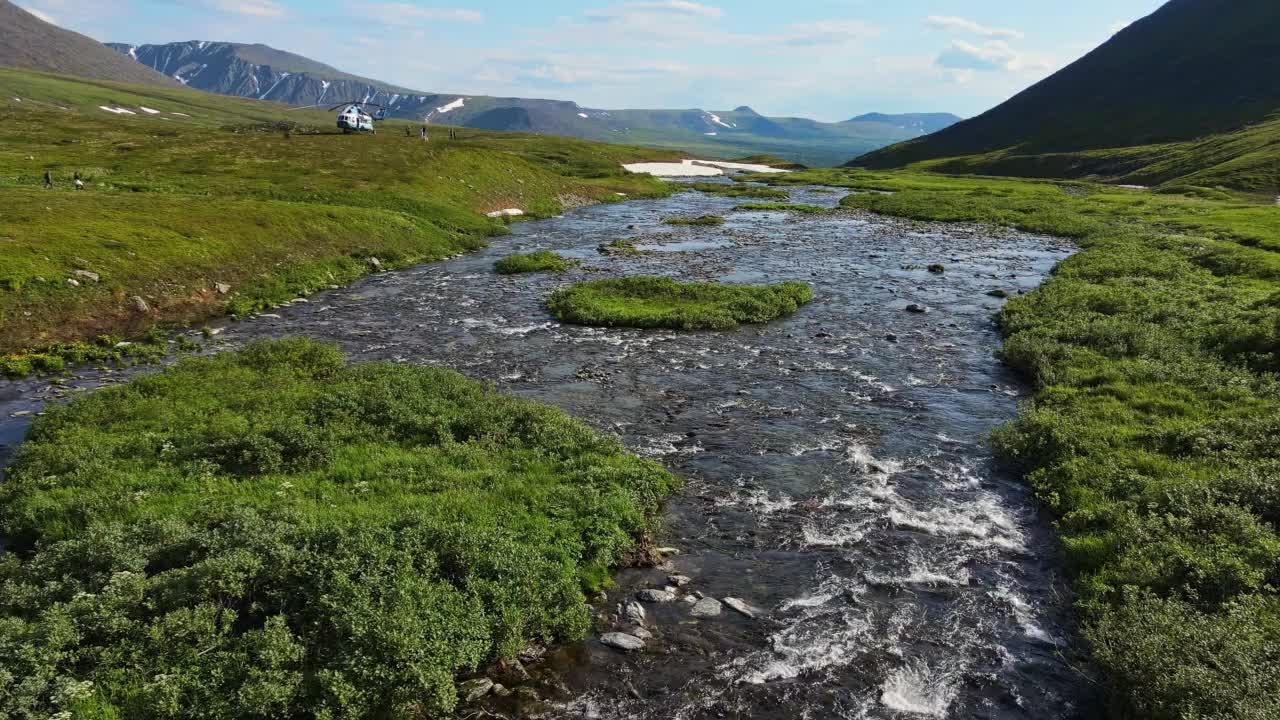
837	480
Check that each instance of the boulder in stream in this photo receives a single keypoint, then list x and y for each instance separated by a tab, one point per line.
705	608
622	641
655	596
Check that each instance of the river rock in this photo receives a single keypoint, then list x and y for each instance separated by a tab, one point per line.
741	606
706	607
139	304
222	288
473	690
665	551
640	632
679	580
90	276
622	641
655	596
634	612
999	293
374	263
917	308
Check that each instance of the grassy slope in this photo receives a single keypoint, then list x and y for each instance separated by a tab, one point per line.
177	204
271	533
1155	431
1174	88
29	42
1247	160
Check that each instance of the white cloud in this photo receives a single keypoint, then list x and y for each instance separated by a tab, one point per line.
252	8
668	7
996	55
827	32
959	24
43	15
404	13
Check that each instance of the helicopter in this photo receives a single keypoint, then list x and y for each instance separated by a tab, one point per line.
354	117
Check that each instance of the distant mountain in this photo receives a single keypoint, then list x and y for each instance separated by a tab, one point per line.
924	123
1192	69
264	73
30	43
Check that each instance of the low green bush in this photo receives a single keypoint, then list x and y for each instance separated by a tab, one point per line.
537	261
274	533
651	302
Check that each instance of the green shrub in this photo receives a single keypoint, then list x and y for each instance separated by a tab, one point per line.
273	533
538	261
651	302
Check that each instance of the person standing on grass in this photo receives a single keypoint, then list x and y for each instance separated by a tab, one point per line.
48	179
79	183
424	134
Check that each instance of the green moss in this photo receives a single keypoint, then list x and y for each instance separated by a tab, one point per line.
230	533
650	302
537	261
626	248
703	220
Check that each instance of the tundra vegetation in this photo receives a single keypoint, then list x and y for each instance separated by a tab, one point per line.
221	205
536	261
1155	431
275	533
652	302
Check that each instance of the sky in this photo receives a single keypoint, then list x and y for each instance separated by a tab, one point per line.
824	59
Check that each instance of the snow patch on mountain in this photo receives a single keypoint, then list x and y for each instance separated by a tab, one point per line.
455	105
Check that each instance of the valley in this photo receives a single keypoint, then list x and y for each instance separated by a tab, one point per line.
552	413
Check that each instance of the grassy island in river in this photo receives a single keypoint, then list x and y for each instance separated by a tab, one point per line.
650	302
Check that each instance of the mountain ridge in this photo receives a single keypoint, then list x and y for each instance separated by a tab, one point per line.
265	73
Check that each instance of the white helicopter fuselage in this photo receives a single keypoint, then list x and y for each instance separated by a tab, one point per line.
353	119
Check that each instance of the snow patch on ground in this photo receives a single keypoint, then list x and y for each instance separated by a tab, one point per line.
148	110
117	110
671	169
456	104
509	212
744	167
584	116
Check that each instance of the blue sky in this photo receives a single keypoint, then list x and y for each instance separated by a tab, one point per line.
827	59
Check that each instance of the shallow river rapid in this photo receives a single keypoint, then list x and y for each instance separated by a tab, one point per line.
837	480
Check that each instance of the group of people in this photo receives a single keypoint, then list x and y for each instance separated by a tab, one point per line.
48	180
422	133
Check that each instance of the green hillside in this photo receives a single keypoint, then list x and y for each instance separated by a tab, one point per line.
197	204
1166	87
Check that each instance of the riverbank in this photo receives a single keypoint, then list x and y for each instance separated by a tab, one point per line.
1153	434
218	205
286	513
